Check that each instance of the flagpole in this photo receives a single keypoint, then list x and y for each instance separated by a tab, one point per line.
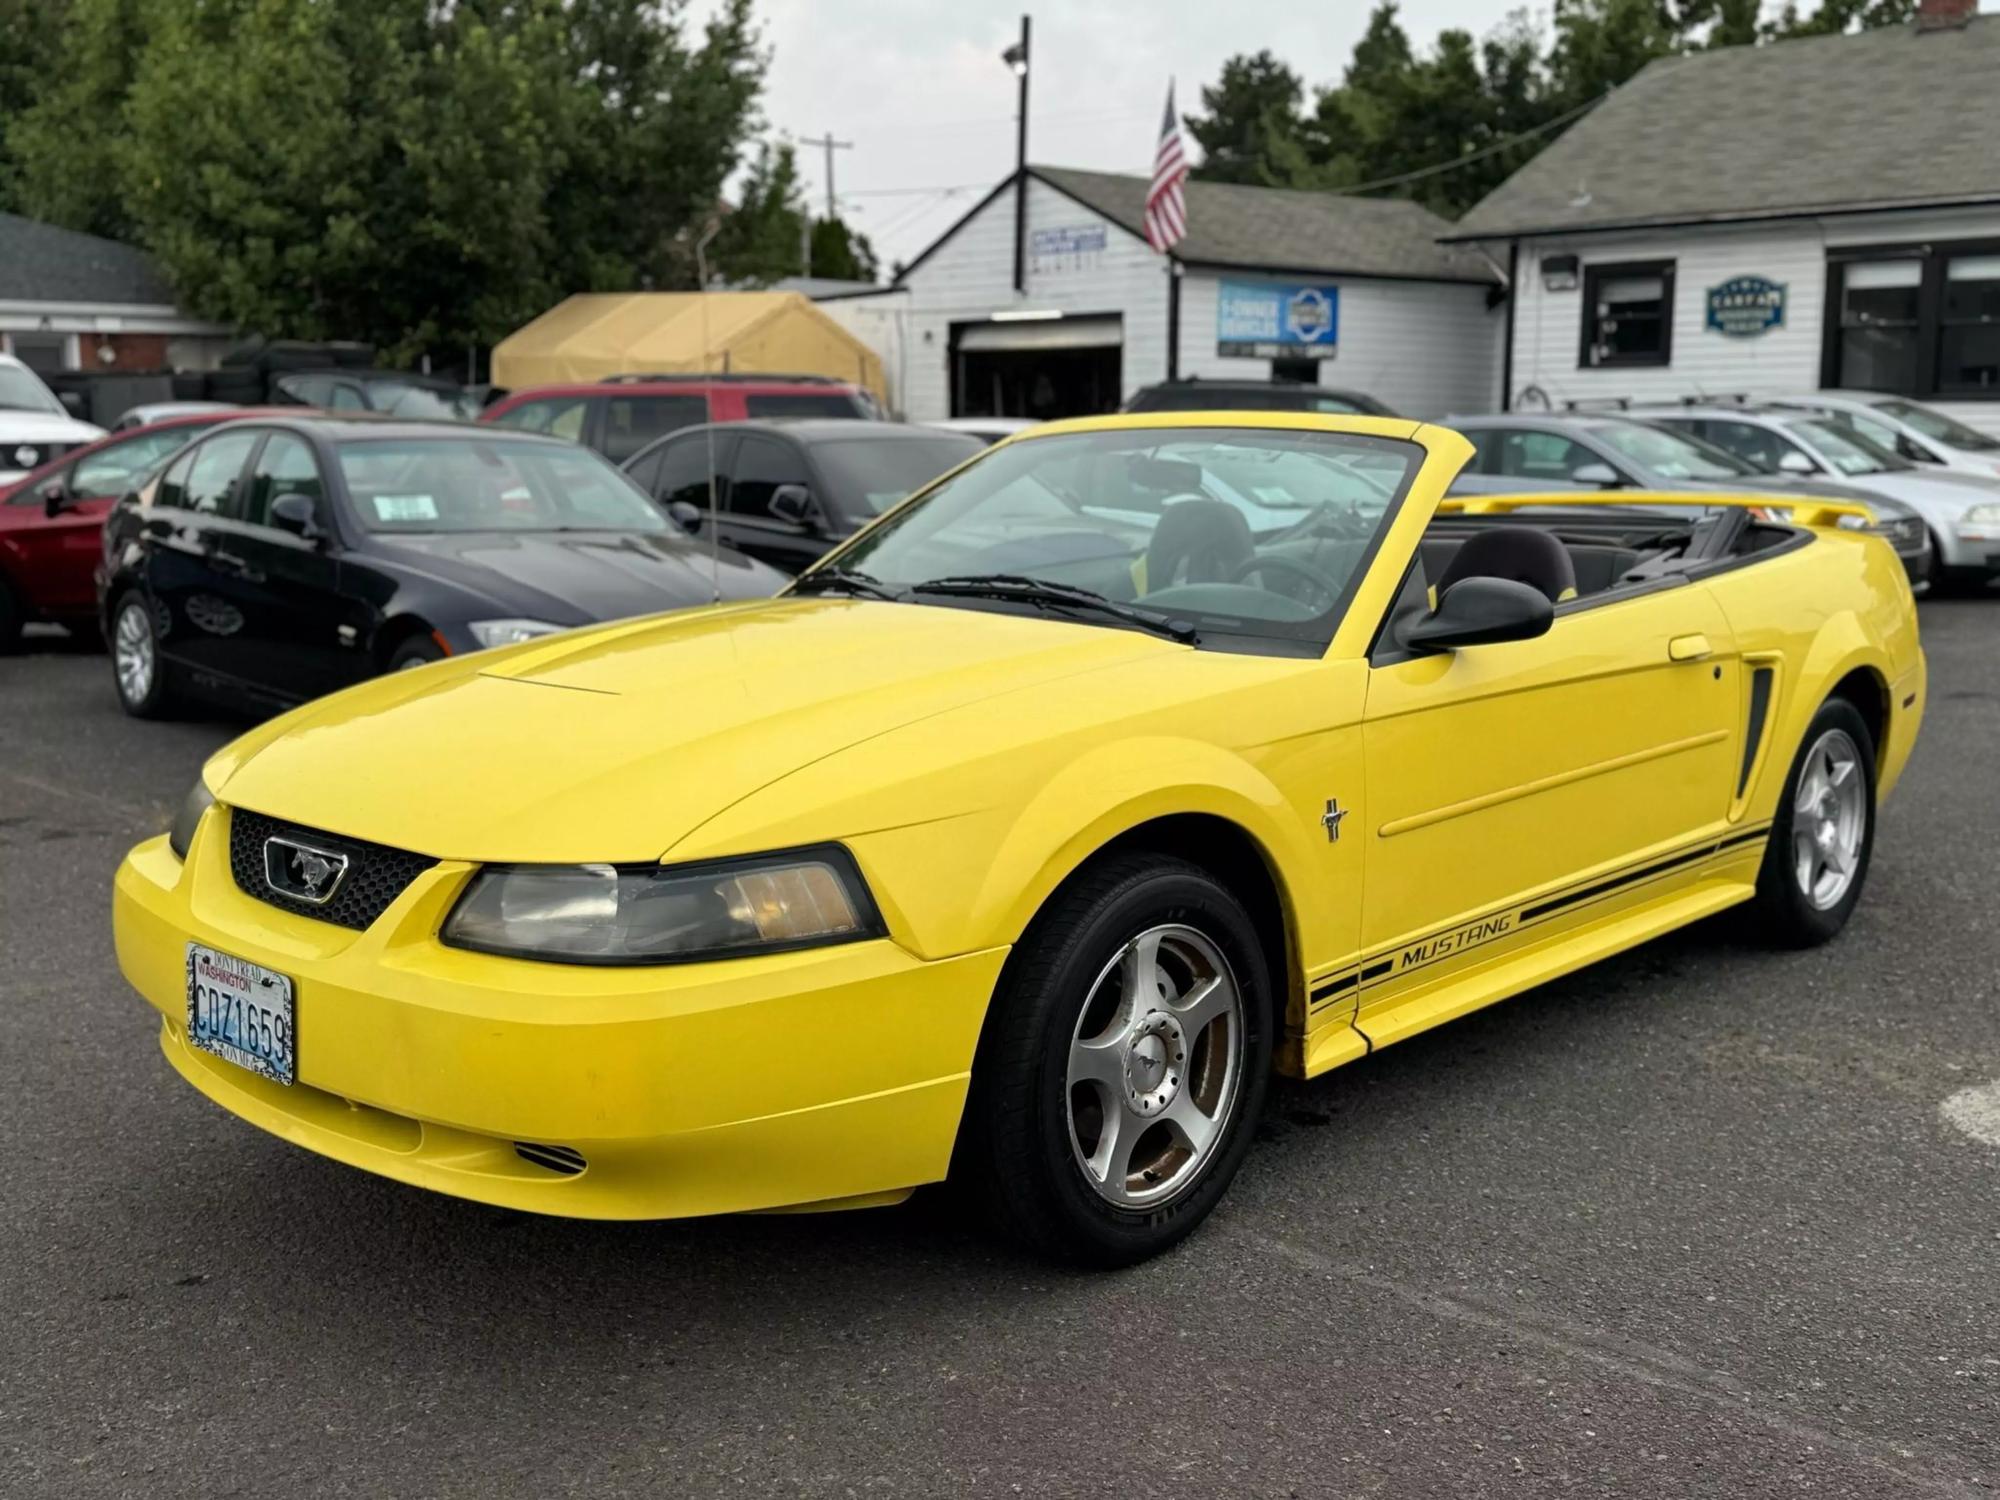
1173	317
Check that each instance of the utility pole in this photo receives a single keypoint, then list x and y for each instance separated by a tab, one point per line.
830	145
1016	57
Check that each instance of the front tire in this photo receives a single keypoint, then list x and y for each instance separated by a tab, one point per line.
417	651
11	618
1123	1066
136	667
1823	834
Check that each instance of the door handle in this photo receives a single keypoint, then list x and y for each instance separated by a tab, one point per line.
1688	647
224	562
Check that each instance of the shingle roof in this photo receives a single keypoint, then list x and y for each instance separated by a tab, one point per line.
1258	228
41	263
1833	123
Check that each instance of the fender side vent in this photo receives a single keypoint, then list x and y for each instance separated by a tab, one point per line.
566	1160
1753	729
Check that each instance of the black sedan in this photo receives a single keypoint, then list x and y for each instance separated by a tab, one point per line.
785	492
279	559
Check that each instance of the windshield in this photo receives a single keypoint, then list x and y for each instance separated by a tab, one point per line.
21	391
1668	455
402	399
1240	533
1847	450
1935	424
450	483
871	474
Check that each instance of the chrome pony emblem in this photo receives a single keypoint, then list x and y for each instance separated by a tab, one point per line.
303	872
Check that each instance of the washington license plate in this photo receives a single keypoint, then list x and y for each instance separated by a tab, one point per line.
240	1011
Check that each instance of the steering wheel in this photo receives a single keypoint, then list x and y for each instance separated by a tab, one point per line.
1318	580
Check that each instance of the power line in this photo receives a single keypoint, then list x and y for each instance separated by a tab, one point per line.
1482	152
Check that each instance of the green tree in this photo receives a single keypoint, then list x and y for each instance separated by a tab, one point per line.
419	175
841	252
763	237
1250	130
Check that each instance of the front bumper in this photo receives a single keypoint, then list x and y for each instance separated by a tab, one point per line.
789	1080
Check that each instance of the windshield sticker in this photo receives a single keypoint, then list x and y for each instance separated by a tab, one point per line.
394	508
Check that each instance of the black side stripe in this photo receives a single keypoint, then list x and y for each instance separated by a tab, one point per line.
1326	989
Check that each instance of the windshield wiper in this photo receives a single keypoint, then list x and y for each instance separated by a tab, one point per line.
1050	595
845	581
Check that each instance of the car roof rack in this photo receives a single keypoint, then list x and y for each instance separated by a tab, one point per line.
718	377
1720	398
1598	403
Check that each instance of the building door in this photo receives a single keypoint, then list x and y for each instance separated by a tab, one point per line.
1038	368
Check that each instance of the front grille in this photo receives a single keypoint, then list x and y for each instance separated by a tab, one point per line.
376	874
566	1160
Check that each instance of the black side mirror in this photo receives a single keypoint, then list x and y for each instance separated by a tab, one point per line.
297	514
1481	611
795	503
76	403
56	498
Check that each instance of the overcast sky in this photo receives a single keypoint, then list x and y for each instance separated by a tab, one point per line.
919	88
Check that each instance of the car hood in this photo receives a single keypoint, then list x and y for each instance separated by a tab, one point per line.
581	577
613	744
38	428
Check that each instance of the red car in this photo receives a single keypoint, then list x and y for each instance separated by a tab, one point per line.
625	413
50	520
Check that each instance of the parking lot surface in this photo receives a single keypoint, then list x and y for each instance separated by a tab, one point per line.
1702	1220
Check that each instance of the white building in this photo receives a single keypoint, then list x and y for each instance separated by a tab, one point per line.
1353	293
1760	221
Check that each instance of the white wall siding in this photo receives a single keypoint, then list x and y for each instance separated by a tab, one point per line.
881	321
971	277
1421	348
1548	327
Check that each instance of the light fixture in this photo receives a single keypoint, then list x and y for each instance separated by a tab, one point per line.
1027	314
1016	57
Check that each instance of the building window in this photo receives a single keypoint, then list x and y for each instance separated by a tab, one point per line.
1969	326
1914	320
1628	314
1879	326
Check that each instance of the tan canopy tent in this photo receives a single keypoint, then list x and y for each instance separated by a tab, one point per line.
592	335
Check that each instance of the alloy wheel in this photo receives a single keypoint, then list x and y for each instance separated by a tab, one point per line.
1829	819
1155	1067
132	651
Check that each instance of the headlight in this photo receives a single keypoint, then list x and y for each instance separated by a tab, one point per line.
662	914
198	801
510	632
1982	515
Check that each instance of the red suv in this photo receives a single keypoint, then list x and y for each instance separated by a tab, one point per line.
623	414
50	520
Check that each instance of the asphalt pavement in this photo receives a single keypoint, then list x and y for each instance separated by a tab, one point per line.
1697	1221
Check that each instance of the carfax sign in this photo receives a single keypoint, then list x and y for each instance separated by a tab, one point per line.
1273	320
1745	306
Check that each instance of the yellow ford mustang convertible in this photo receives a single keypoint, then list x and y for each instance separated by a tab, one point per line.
1024	836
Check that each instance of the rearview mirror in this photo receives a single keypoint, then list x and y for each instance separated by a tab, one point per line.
1600	474
686	515
1166	476
1480	611
297	514
794	503
56	499
1791	461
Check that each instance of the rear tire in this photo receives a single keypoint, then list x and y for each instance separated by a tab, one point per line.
417	651
10	618
1824	833
1123	1064
137	670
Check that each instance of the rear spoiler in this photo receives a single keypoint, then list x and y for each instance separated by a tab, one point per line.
1806	510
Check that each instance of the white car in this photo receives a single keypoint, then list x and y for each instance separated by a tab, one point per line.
34	427
1961	509
1909	429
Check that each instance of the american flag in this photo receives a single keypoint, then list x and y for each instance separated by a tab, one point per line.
1166	199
